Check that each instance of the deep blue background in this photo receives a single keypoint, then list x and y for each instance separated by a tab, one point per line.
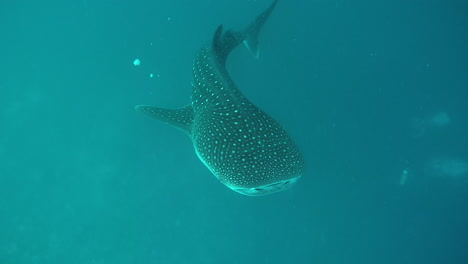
358	84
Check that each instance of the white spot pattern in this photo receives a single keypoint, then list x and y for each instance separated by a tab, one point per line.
237	141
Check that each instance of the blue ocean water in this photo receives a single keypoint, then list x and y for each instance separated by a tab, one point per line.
374	93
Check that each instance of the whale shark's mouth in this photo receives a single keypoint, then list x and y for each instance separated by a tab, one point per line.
266	189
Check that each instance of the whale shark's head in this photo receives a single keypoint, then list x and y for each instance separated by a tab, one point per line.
246	149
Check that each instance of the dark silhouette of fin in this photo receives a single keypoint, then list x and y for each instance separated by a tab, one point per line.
252	31
181	118
224	43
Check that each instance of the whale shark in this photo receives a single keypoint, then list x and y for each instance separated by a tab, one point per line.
245	148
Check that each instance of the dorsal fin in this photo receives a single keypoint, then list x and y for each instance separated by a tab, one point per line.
181	118
224	43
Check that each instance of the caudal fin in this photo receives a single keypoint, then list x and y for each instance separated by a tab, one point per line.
253	30
224	43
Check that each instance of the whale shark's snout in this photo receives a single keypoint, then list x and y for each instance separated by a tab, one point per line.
267	189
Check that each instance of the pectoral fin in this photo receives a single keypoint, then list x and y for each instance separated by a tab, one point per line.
180	118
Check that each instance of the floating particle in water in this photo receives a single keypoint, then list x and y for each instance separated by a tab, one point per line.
137	62
423	126
440	119
454	168
404	177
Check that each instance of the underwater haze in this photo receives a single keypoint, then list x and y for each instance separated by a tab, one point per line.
374	94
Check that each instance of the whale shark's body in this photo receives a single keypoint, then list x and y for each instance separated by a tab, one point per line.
241	145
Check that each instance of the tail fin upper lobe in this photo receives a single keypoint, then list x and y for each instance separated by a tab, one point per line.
224	43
